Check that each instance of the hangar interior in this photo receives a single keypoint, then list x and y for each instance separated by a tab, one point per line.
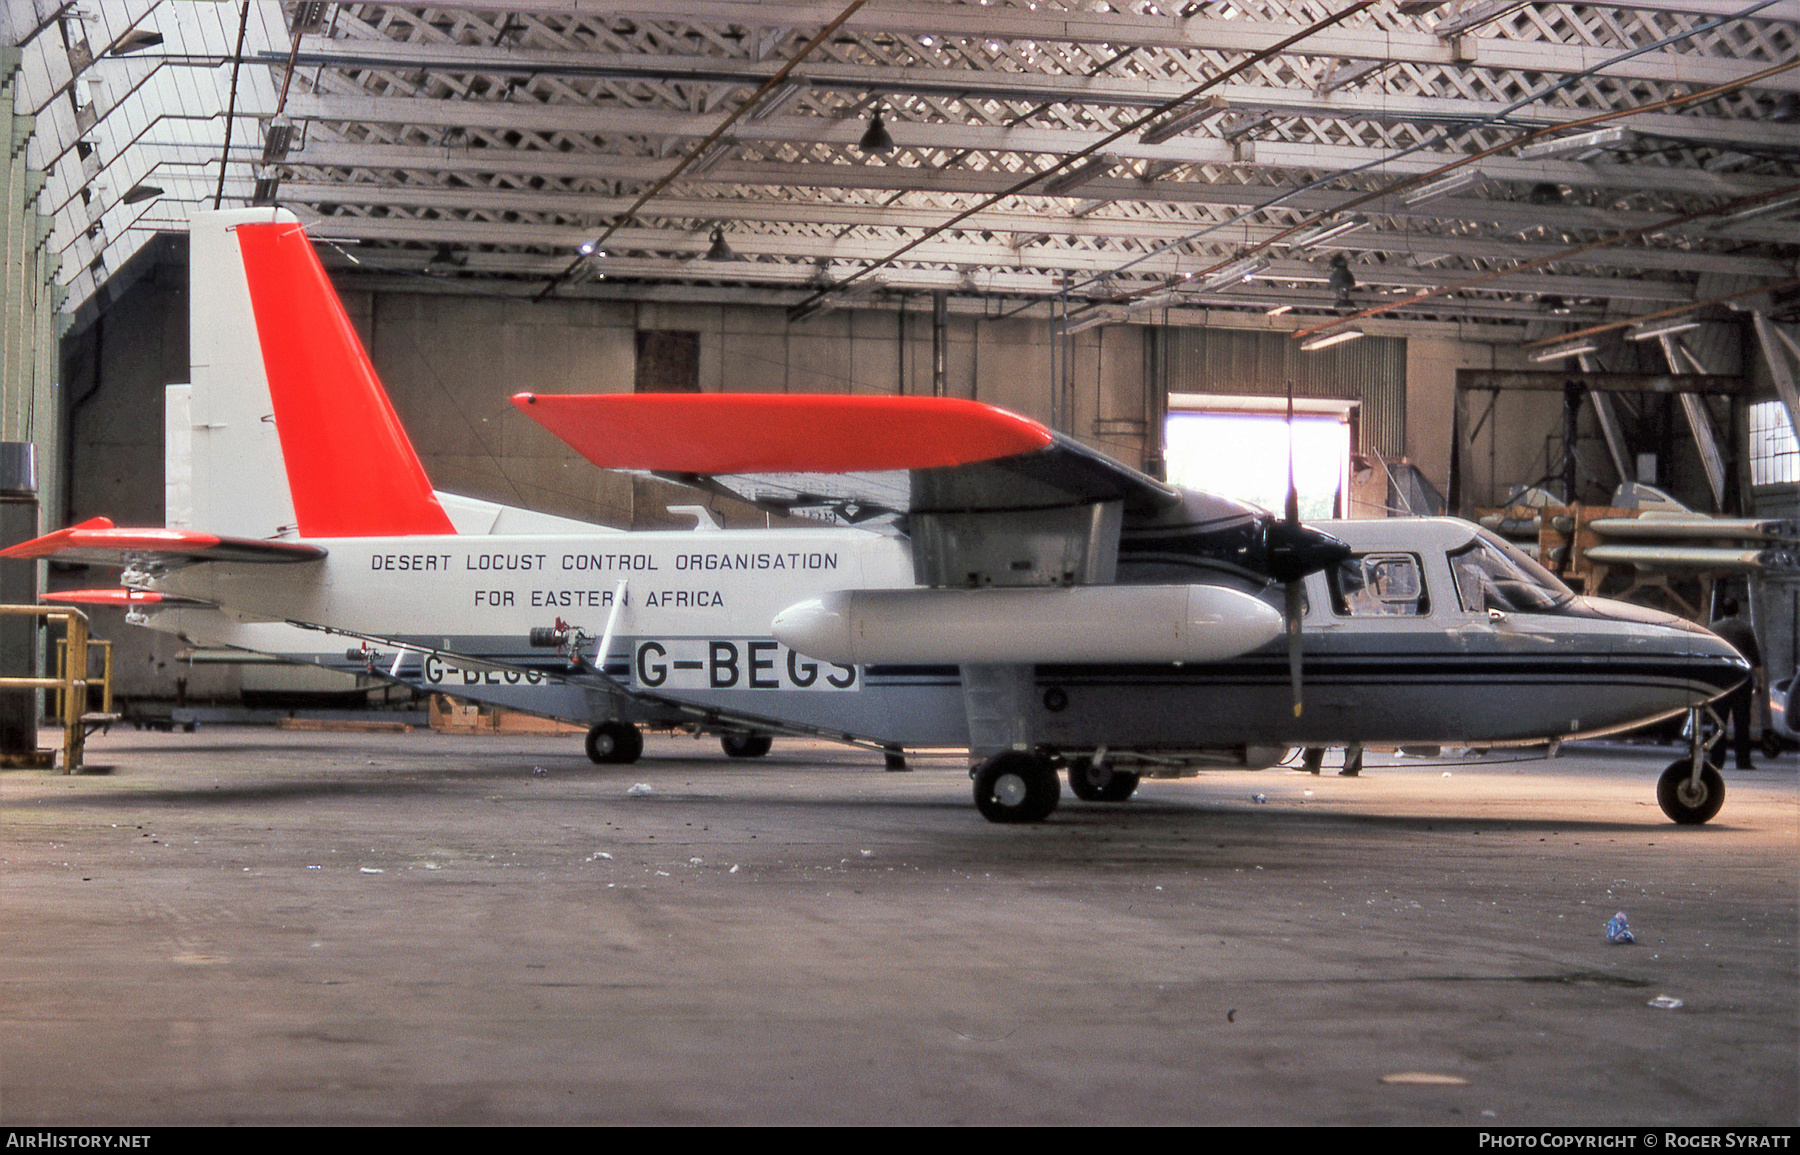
1425	217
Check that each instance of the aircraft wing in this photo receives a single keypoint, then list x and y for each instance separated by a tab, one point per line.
849	457
99	542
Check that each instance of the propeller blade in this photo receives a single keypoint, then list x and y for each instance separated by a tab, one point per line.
1293	491
1296	593
1296	605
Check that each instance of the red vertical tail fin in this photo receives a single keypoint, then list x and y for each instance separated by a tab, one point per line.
350	469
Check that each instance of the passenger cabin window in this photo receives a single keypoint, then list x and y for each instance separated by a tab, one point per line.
1492	575
1379	585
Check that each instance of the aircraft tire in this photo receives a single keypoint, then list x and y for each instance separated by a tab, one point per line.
1016	787
614	742
1686	806
1092	783
738	745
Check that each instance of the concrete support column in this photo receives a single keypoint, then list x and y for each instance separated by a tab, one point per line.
18	586
940	320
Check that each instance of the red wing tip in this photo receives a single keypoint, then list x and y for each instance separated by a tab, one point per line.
524	399
106	597
101	533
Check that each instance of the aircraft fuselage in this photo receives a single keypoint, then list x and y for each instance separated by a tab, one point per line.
692	628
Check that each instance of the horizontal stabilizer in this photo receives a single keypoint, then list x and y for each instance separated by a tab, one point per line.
98	542
118	596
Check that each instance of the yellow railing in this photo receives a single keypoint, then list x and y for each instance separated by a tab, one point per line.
71	682
106	675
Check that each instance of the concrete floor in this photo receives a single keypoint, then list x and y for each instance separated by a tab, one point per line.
255	926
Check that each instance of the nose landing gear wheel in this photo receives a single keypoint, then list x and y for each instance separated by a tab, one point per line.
1016	787
614	742
1688	802
1101	783
745	745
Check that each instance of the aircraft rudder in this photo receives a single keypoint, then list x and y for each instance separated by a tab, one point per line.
280	372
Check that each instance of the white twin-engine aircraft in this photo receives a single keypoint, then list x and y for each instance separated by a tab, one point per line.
986	583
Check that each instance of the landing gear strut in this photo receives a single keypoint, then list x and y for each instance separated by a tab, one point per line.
614	742
1016	786
1691	791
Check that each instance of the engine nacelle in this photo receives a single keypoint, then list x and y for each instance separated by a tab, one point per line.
1092	623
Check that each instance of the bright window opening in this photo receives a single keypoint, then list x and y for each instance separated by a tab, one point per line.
1774	453
1244	454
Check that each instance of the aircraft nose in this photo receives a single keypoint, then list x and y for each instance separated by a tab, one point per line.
1728	667
1701	660
1294	551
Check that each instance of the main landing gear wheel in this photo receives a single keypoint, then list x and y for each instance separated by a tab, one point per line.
614	742
1101	783
1686	801
1016	787
745	745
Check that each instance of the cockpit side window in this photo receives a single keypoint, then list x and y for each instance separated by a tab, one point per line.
1379	585
1490	577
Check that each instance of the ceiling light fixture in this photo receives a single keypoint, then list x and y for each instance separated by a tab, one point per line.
875	140
1154	301
1444	186
1278	310
1663	329
1329	231
1562	352
1327	340
136	40
1341	280
1580	146
1156	134
720	251
1087	171
1092	319
1231	274
1770	208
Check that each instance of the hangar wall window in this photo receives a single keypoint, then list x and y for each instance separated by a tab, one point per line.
1774	451
668	361
1238	447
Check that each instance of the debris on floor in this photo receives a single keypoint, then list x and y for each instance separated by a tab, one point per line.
1424	1079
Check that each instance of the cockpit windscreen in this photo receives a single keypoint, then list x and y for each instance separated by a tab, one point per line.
1494	575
